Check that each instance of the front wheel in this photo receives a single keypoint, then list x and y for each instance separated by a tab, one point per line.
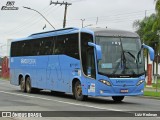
117	98
78	92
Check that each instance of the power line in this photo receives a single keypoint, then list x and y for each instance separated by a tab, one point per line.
26	24
65	11
119	14
39	14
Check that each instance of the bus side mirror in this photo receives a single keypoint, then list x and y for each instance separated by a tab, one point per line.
98	50
151	51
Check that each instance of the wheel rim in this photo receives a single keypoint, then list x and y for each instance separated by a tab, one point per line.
28	86
78	90
22	85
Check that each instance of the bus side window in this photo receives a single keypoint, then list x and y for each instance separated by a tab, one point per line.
48	46
59	45
26	48
41	47
35	48
71	46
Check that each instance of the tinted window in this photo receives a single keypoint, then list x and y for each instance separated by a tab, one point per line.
67	45
87	54
42	46
64	44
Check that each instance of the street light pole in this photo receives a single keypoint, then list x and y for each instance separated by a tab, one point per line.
40	14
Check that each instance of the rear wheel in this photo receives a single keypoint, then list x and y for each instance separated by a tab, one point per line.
78	92
117	98
22	84
28	85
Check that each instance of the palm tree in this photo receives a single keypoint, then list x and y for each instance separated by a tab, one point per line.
147	28
157	7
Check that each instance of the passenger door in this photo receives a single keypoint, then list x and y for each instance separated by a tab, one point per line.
88	63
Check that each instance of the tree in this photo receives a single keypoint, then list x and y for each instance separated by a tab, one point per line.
147	30
157	7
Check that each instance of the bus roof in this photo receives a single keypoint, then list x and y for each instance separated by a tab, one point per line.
65	30
71	30
113	33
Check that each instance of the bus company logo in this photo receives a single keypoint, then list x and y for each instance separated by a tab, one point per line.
123	82
28	61
9	6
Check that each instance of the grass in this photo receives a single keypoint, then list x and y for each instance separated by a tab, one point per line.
154	84
4	78
152	94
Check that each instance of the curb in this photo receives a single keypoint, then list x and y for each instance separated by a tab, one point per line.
150	97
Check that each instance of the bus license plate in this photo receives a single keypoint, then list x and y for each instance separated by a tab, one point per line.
124	91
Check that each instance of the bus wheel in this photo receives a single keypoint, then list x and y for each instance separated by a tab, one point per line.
78	92
22	85
28	85
117	98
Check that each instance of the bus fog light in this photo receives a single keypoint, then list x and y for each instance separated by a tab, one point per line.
105	82
142	91
140	82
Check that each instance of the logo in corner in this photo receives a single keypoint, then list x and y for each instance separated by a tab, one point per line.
9	6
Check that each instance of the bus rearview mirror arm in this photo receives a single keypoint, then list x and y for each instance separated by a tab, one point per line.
98	50
151	51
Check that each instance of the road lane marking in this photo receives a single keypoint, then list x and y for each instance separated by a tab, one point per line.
84	105
70	103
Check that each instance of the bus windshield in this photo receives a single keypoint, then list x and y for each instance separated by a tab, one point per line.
121	56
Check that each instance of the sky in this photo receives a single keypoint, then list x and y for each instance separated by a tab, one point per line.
114	14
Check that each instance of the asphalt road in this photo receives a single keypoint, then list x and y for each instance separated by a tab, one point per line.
12	99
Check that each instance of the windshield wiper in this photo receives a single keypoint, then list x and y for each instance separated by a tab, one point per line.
117	66
122	61
134	59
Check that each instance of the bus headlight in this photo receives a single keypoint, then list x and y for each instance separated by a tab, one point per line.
140	82
105	82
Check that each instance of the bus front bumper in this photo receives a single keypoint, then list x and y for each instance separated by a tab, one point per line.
121	91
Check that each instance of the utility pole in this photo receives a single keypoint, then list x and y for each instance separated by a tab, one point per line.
145	14
65	11
97	21
82	22
158	33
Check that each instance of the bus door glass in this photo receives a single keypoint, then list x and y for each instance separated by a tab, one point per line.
88	62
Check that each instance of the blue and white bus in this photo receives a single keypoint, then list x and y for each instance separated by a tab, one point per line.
84	62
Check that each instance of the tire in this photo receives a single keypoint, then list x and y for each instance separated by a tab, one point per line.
28	85
22	85
117	98
78	92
